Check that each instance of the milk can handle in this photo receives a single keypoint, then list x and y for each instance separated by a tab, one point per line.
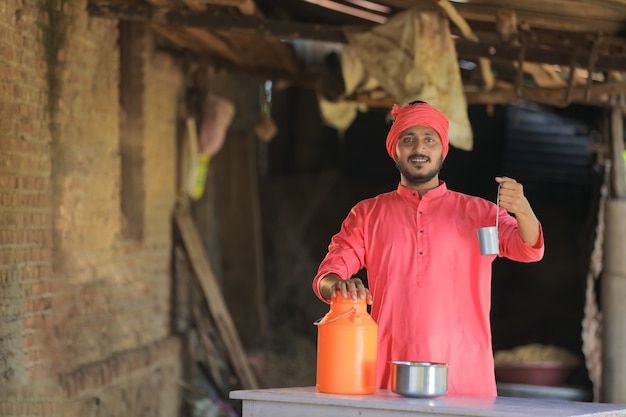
352	310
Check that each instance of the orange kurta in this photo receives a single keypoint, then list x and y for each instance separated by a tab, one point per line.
431	288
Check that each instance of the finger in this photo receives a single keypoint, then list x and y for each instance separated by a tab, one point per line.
349	289
352	288
343	284
513	198
514	202
338	286
362	289
333	290
508	198
503	179
364	292
510	189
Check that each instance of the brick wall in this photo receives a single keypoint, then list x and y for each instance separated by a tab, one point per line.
26	210
84	308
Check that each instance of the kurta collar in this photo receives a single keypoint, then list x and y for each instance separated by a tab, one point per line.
414	195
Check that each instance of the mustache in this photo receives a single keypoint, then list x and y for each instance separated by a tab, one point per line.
418	155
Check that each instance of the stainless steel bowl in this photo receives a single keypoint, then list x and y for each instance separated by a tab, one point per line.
419	379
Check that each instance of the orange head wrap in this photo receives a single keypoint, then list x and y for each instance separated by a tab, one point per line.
410	115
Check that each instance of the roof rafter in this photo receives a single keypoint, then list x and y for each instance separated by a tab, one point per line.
283	29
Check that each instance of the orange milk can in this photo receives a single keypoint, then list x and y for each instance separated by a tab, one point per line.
346	348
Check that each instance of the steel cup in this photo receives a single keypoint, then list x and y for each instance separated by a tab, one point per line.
488	240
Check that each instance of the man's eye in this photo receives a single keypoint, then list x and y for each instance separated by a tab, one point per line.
408	139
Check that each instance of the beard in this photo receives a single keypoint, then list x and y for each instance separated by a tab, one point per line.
418	177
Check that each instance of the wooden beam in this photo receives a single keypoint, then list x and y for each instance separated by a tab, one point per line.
488	32
613	287
466	30
297	30
552	96
198	41
502	95
160	3
246	7
213	294
227	3
617	150
303	77
474	50
282	29
562	15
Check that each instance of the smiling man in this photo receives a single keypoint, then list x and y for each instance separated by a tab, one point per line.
429	286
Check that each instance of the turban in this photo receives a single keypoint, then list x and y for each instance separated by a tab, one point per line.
411	115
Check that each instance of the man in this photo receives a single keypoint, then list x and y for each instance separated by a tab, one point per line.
429	286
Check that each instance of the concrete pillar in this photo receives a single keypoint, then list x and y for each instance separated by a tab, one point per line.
614	304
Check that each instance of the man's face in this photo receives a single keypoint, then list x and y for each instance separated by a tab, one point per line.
419	154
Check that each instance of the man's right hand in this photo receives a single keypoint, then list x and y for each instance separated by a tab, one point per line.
354	286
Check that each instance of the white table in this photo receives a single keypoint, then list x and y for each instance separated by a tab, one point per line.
306	402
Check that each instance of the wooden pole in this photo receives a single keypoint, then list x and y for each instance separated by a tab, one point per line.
617	150
613	306
614	276
213	294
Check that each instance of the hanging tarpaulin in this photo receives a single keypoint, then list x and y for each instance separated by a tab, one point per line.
413	57
339	114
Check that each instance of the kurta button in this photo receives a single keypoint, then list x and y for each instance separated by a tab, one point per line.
419	212
421	253
421	231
